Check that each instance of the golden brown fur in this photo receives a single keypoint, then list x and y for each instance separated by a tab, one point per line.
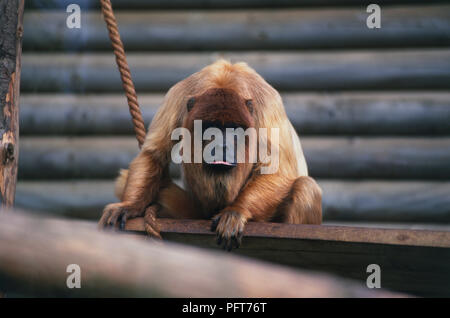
231	199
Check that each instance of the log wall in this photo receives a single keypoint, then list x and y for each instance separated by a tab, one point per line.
372	106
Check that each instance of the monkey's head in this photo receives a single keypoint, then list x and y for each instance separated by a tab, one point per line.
224	116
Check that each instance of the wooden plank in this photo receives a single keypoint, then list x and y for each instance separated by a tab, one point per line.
387	69
11	26
210	4
411	261
349	201
387	225
308	232
408	26
355	158
117	266
383	113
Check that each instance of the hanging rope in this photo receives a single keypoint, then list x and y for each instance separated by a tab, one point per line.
121	60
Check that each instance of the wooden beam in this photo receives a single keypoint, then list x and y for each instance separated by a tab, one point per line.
364	70
412	261
35	252
351	201
383	113
308	232
392	225
407	26
339	158
11	26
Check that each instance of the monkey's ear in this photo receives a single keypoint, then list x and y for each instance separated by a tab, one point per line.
249	104
190	103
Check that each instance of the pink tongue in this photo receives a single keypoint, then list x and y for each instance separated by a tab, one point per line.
222	163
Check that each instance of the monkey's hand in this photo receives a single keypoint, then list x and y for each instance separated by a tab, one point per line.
229	226
115	215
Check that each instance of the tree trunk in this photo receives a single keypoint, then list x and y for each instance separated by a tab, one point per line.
11	28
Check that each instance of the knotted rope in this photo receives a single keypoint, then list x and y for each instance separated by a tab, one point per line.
121	60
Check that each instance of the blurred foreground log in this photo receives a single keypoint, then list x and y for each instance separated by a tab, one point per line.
34	255
11	26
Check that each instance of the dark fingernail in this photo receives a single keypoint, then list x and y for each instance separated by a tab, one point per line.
240	235
235	242
214	224
229	245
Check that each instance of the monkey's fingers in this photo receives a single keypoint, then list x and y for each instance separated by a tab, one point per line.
229	227
232	242
104	219
122	221
115	217
237	239
214	223
111	214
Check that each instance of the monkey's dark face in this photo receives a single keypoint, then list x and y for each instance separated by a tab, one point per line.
224	157
220	110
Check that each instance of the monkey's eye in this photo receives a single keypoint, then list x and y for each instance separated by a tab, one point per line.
249	104
190	103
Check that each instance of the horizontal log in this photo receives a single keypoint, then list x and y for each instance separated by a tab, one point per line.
388	158
71	199
243	30
356	158
381	201
343	201
117	266
415	113
208	4
388	69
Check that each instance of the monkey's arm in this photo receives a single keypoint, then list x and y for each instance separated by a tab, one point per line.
147	171
143	183
257	201
261	196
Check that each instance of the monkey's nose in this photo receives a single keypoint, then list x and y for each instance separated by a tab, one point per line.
227	158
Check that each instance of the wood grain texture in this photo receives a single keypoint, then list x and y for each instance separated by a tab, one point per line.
339	158
407	26
117	266
11	26
411	261
300	71
350	201
383	113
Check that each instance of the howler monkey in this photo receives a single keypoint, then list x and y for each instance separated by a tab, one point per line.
221	95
